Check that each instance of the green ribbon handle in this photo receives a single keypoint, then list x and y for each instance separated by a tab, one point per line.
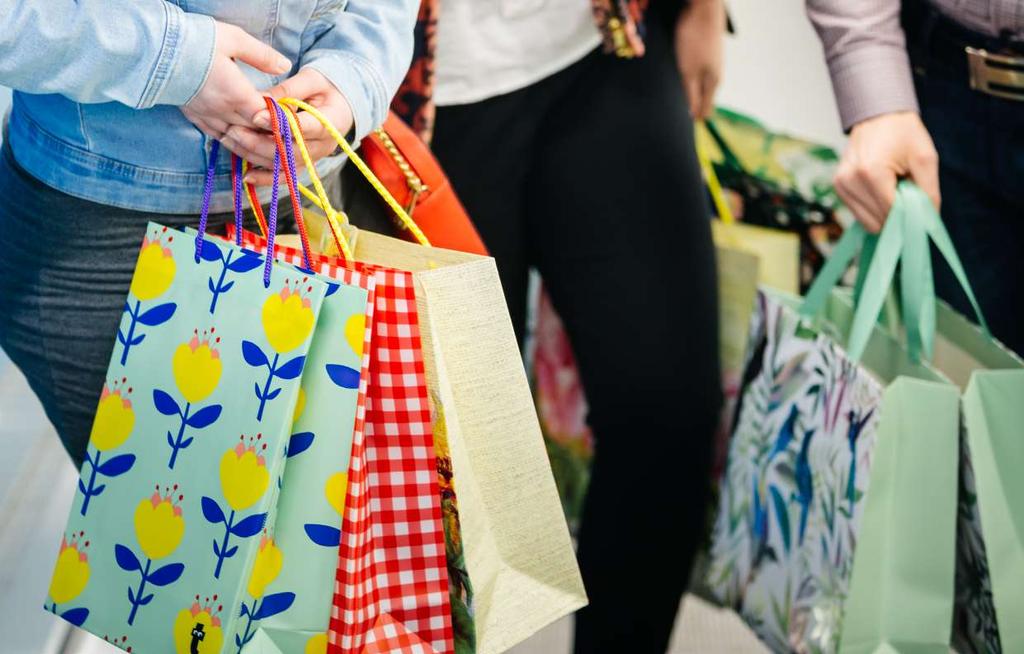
912	221
917	202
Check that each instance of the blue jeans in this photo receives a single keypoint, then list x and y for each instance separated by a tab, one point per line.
980	140
65	268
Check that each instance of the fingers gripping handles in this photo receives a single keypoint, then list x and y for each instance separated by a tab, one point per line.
912	223
288	118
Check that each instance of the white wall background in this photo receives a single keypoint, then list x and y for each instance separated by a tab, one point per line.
775	71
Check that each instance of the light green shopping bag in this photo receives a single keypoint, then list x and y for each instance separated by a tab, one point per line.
837	518
990	542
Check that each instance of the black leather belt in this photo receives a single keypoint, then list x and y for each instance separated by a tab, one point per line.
990	65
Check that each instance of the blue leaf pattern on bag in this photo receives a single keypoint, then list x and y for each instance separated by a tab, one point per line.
790	500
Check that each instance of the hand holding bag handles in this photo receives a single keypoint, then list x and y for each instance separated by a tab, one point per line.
912	221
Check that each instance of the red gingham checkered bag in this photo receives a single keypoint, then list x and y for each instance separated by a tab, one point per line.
390	637
392	556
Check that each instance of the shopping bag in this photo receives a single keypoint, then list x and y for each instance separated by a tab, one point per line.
747	255
516	546
990	552
836	523
392	555
776	181
330	411
166	541
990	547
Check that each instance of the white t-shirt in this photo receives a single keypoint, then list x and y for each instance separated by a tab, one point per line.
491	47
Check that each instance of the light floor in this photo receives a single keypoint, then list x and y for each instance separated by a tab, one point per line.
36	486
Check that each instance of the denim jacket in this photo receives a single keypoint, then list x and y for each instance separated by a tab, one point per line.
98	84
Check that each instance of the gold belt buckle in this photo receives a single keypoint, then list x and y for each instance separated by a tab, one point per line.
996	74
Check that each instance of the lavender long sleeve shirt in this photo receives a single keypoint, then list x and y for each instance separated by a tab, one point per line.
866	50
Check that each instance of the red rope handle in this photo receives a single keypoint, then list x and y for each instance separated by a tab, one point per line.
289	178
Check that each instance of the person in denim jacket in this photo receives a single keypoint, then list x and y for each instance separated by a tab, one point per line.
115	106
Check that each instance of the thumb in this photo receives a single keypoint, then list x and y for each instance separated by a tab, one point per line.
305	84
924	170
245	47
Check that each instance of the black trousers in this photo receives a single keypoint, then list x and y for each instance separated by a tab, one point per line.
980	141
590	176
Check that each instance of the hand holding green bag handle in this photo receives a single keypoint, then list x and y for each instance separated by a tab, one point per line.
836	527
165	545
990	547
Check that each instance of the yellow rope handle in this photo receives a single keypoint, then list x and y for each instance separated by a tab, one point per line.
248	197
320	199
321	202
717	196
408	222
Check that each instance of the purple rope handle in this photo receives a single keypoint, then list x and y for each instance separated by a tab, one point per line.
204	214
272	220
286	136
236	176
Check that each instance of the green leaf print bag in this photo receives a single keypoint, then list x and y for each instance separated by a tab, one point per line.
168	539
837	521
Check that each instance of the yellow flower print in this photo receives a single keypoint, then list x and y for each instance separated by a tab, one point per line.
355	332
317	644
300	405
71	574
154	274
197	367
111	427
243	476
154	271
114	420
287	319
334	489
159	525
266	567
199	624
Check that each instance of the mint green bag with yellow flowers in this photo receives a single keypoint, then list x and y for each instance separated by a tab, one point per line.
168	546
307	529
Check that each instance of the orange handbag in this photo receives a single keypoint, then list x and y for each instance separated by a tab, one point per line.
408	169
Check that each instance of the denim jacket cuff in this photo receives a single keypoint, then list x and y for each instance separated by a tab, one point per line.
358	82
186	57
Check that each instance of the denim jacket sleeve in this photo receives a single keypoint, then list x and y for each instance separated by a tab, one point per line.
137	52
365	54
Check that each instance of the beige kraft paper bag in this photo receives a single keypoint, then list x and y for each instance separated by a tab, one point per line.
518	551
